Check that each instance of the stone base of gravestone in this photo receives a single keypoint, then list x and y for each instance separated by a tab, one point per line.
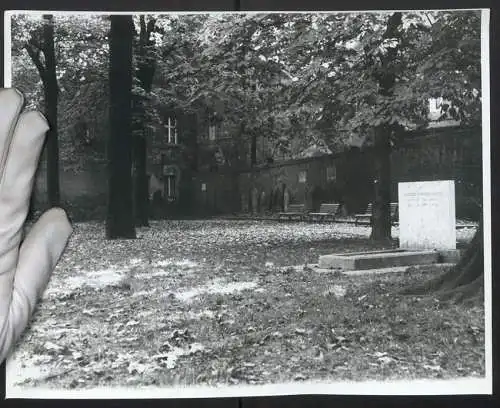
427	231
427	215
376	260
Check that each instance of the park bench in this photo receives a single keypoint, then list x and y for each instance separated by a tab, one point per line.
366	217
294	211
394	212
327	212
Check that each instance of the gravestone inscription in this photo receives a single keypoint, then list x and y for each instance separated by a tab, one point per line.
427	215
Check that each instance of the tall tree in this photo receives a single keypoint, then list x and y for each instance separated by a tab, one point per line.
385	76
381	71
120	218
386	67
303	78
146	57
40	48
454	73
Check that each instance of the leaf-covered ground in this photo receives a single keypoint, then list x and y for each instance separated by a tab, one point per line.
215	302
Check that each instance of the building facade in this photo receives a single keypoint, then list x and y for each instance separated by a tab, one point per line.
198	166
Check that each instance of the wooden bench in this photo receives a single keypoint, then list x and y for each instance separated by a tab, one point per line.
327	212
394	213
294	212
366	217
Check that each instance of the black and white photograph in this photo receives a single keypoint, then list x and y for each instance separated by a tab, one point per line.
262	203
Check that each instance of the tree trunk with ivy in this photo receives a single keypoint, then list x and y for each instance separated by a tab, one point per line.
120	218
146	65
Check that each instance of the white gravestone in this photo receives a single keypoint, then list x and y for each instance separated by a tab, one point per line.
427	215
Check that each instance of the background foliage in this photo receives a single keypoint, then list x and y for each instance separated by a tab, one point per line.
296	80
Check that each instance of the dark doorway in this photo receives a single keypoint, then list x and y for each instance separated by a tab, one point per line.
276	201
318	196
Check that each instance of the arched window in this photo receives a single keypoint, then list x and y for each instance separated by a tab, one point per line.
331	173
215	130
212	132
171	187
172	137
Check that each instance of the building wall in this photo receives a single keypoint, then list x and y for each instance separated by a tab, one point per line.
215	193
83	192
174	159
445	153
449	153
310	181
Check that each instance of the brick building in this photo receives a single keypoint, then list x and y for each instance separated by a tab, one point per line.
199	166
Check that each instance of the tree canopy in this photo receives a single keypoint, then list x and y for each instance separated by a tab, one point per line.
295	79
300	82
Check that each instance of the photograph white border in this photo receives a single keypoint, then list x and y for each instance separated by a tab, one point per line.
472	386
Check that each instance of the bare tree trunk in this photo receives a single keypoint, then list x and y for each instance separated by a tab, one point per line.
381	220
386	78
42	42
120	218
51	96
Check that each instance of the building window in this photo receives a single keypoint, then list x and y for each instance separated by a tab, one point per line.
172	131
212	130
331	173
215	128
302	176
435	105
170	187
439	109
